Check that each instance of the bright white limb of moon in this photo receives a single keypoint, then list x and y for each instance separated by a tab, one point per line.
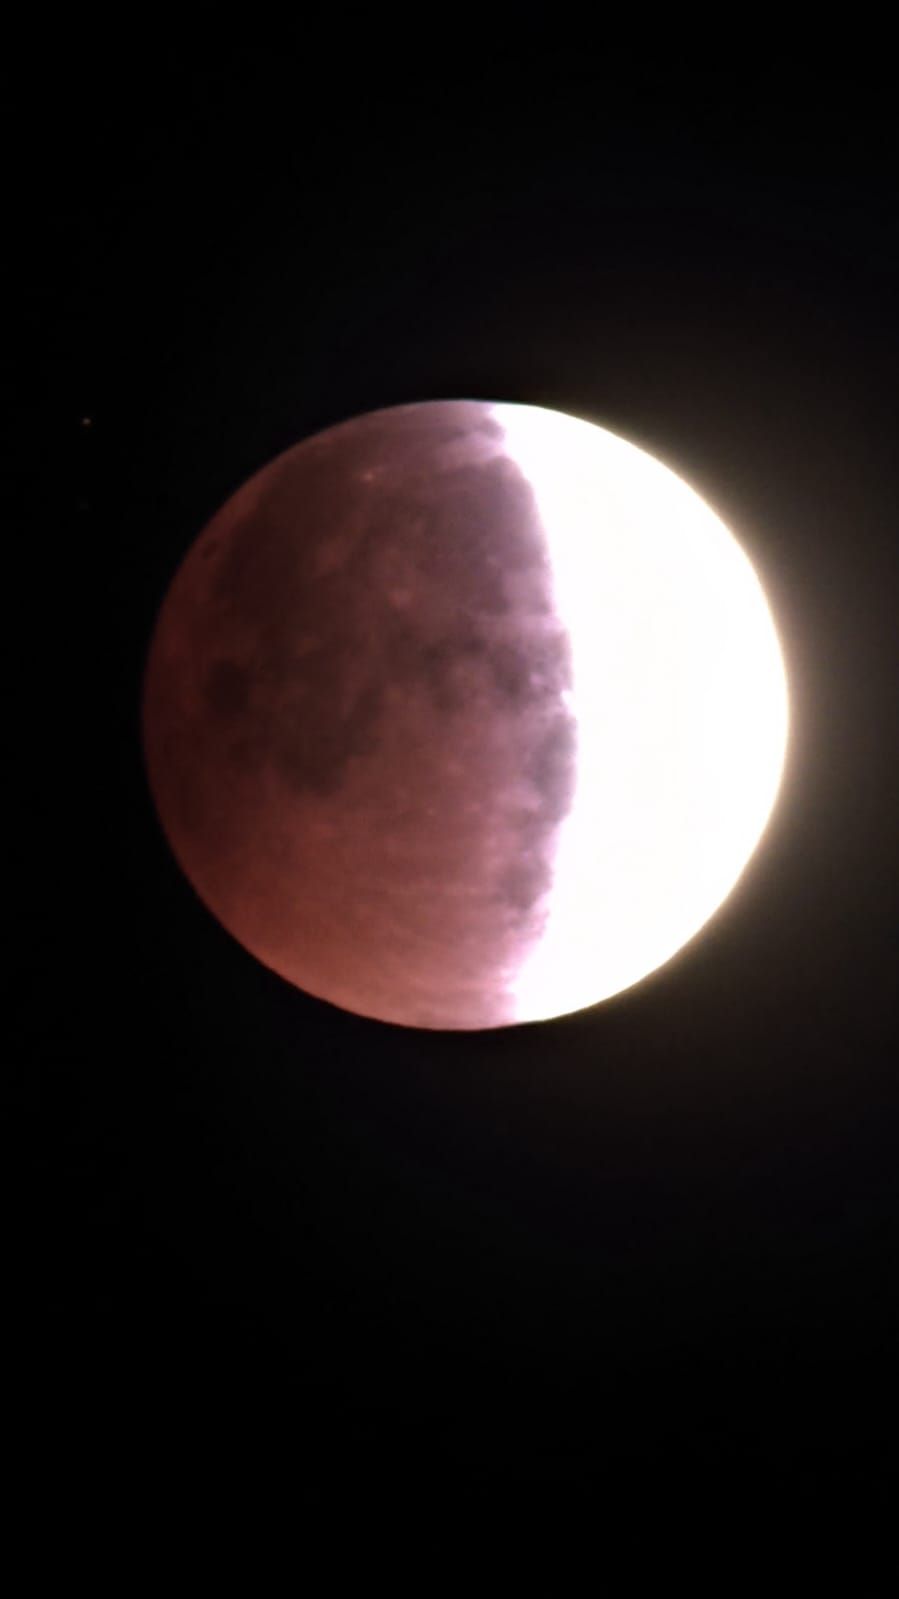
680	697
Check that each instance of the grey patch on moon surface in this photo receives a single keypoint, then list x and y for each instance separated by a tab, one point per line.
383	593
480	526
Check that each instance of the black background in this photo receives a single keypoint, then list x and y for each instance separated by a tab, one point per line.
654	1243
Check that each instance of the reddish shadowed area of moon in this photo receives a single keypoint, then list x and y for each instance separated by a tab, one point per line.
356	719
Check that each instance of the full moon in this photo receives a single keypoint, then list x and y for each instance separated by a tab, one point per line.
460	715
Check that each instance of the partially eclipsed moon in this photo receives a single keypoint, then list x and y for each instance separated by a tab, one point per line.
460	715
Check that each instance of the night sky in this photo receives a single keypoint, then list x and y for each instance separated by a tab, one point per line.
652	1244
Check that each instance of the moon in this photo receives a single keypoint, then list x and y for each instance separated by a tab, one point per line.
463	714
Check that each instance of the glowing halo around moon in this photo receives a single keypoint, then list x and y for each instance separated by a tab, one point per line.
462	715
